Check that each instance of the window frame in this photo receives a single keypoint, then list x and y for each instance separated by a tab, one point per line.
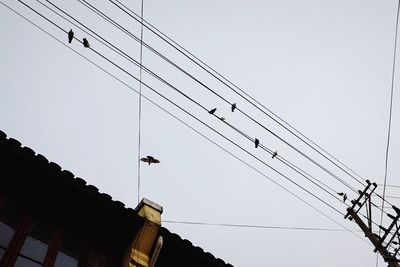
87	253
22	231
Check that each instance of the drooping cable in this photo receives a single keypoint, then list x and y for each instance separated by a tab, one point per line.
253	226
131	75
390	115
120	52
303	154
182	109
242	93
104	16
52	36
391	105
140	102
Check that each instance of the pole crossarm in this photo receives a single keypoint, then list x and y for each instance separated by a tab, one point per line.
391	233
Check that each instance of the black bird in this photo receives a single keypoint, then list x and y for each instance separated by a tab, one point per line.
70	36
212	111
222	118
275	154
233	107
86	43
150	159
344	195
256	142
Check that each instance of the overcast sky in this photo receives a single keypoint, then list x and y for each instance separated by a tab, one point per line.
323	66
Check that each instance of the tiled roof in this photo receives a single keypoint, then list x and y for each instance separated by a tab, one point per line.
22	160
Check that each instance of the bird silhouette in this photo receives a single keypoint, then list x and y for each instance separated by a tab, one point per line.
256	142
86	43
70	36
344	195
222	118
212	111
233	107
150	159
275	154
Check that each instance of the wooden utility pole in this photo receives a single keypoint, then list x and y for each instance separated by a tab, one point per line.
378	241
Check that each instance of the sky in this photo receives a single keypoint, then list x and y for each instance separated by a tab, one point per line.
325	67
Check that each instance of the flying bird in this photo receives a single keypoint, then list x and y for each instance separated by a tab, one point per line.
70	36
275	154
344	195
212	111
150	159
233	107
86	43
256	142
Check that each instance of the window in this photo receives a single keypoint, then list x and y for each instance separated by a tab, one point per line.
34	249
10	216
30	242
6	233
69	252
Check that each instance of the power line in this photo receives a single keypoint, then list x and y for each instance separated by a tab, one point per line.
135	62
140	101
390	114
104	16
117	25
258	226
392	197
232	86
391	103
120	52
161	96
117	50
390	107
94	9
188	113
390	185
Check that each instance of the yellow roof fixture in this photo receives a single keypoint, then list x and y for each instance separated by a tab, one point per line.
142	254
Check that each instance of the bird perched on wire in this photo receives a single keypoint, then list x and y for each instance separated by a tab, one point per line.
256	142
275	154
222	118
70	36
344	195
233	107
150	159
212	111
86	43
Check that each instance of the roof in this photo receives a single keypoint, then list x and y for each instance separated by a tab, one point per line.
34	179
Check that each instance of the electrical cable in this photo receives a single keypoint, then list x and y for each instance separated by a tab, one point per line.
140	102
258	226
390	106
224	80
126	56
297	150
114	48
390	185
117	25
97	11
390	114
136	79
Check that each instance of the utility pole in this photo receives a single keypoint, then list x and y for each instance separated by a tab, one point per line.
391	234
